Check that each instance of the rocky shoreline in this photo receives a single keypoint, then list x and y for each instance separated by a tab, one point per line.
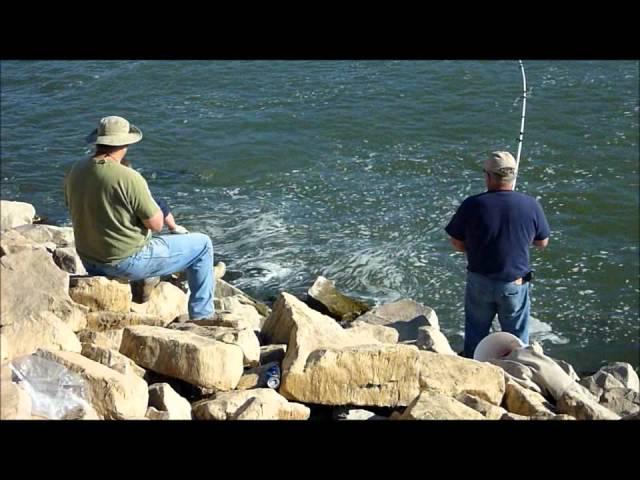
339	358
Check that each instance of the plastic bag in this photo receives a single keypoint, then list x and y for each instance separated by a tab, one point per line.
56	392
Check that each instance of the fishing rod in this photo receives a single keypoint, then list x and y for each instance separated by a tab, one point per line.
524	108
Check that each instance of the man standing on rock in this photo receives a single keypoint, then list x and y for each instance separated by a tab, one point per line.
495	230
113	215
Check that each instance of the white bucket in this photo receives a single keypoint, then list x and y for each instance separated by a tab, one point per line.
496	346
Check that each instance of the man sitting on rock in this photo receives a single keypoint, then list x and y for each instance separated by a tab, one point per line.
113	215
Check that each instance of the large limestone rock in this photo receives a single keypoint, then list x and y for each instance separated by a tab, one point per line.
433	340
489	410
109	339
15	403
37	330
336	304
31	283
600	382
452	375
112	359
222	319
239	307
11	241
256	404
244	338
579	403
100	293
68	260
622	401
328	365
379	332
526	402
435	406
14	214
514	416
112	394
155	414
625	373
224	290
166	302
4	348
102	321
288	310
406	316
184	355
165	399
60	236
613	375
374	375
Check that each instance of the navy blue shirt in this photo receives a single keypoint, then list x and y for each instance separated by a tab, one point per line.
497	229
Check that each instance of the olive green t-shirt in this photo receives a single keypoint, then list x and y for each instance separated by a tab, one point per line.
107	202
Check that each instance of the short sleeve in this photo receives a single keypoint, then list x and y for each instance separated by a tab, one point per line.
140	199
456	227
542	226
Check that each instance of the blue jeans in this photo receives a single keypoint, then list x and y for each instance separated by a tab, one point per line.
167	254
483	299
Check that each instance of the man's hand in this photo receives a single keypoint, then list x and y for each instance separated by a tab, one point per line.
178	229
457	244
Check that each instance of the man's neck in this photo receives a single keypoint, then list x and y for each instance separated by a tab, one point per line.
115	156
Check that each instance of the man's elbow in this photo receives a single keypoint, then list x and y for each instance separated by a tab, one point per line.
541	243
155	223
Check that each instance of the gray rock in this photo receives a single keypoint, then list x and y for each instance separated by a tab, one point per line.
61	236
433	340
600	382
165	399
273	353
68	260
224	289
14	214
622	401
624	373
406	316
579	403
244	338
338	305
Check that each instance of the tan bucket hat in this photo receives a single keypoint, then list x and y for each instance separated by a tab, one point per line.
115	131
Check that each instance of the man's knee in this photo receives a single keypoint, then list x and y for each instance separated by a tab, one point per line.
205	241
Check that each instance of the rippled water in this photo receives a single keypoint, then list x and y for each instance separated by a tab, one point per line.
351	169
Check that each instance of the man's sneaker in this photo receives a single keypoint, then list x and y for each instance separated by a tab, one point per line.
219	270
141	289
213	320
